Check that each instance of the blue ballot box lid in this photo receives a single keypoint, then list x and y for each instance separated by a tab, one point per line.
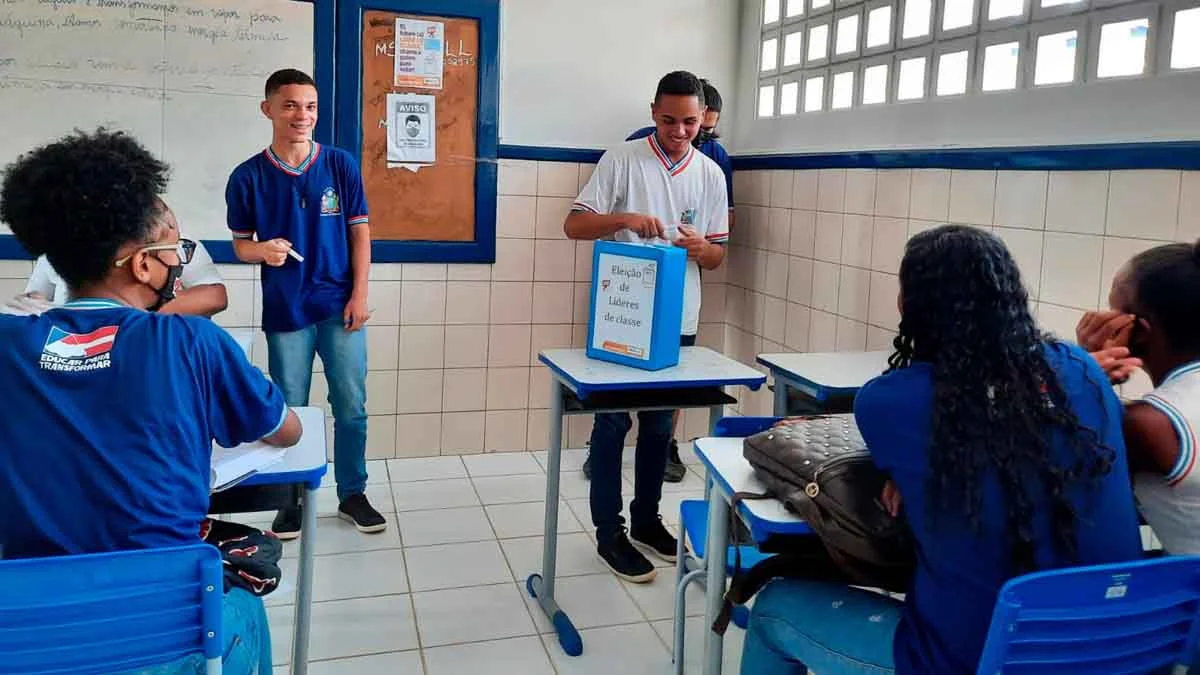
636	303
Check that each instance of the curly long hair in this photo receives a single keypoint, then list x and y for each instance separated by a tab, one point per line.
997	401
79	199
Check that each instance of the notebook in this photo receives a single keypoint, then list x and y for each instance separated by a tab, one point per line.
231	466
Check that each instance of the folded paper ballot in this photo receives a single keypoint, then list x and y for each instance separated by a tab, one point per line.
231	466
25	305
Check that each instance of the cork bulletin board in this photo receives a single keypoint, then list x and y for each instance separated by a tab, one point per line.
435	203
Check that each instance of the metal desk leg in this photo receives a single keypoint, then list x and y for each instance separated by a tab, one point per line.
308	534
781	396
714	591
541	587
715	413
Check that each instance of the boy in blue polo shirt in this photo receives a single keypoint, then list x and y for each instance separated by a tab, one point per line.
299	209
111	411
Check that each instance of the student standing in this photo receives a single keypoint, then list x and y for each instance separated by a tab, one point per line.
299	209
201	290
112	410
658	187
706	142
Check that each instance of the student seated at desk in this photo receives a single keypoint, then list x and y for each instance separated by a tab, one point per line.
200	290
1004	448
112	410
1154	322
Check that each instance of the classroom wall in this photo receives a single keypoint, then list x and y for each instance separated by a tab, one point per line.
814	259
582	74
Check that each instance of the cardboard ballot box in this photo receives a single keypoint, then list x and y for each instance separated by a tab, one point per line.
637	304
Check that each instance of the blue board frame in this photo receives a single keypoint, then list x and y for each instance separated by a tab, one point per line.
348	119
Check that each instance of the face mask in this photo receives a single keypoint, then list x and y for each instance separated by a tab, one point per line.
704	137
167	292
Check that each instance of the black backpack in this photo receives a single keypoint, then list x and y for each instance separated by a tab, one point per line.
820	469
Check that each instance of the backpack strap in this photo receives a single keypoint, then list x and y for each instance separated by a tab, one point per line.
723	617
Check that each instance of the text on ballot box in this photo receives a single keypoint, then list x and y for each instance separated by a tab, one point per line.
637	304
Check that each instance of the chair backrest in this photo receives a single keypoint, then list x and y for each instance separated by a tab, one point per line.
1136	617
110	612
732	427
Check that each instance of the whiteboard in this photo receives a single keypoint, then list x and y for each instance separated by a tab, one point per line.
184	77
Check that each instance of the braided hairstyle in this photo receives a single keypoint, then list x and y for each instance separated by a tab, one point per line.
997	402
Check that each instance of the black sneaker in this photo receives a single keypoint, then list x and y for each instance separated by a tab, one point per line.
655	539
356	509
286	525
587	467
675	469
624	560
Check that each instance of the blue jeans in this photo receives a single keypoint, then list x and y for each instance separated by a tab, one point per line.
650	462
246	648
832	628
344	355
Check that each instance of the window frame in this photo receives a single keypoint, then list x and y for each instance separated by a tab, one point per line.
1096	22
826	21
967	44
825	89
955	33
763	84
797	79
834	57
871	6
854	96
889	96
903	43
1021	37
901	56
1168	10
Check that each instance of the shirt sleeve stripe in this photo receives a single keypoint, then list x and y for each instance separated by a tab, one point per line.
580	206
357	220
723	236
243	234
279	425
1187	452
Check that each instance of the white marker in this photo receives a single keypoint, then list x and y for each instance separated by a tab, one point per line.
297	256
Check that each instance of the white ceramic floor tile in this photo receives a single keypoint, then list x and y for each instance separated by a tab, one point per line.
344	628
394	663
693	645
474	614
571	459
377	473
337	536
347	575
425	468
692	483
528	519
657	599
511	489
434	494
515	656
457	565
444	526
502	464
629	650
576	556
590	601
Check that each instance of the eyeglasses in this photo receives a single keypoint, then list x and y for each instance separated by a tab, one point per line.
184	248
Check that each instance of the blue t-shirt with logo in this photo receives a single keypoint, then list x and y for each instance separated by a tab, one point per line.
711	149
108	420
313	206
959	573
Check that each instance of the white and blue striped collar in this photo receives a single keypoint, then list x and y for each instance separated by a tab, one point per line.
1180	371
93	303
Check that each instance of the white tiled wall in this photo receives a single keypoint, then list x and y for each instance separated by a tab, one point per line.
815	254
812	266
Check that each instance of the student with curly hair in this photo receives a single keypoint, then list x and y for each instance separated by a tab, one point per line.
1154	323
1005	452
84	470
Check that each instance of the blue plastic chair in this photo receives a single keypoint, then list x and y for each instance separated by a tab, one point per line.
693	522
1138	617
110	612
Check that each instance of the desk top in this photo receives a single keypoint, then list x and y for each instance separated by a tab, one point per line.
829	373
732	473
697	367
305	462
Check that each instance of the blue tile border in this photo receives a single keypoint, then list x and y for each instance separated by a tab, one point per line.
549	154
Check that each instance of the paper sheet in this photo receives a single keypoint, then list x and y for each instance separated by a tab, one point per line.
420	54
231	466
411	129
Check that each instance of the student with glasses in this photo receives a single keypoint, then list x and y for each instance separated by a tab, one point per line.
112	409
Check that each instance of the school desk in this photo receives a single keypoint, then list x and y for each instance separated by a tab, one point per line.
825	382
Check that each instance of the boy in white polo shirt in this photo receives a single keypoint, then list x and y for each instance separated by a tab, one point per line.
653	188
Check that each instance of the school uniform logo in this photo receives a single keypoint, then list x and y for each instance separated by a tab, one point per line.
75	352
330	205
688	217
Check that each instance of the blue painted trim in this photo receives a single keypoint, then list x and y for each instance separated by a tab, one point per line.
540	154
1183	155
585	389
324	43
10	249
348	119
